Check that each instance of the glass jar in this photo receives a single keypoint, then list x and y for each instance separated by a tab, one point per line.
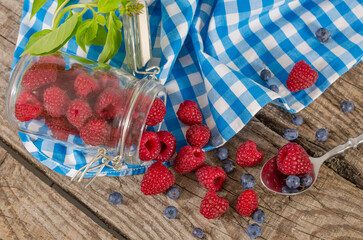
81	104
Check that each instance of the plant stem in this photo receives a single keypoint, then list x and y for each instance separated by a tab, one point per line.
65	10
58	10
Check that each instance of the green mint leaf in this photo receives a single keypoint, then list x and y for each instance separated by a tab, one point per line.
100	38
113	40
124	2
37	4
70	15
86	32
105	6
117	22
122	10
101	19
35	37
55	39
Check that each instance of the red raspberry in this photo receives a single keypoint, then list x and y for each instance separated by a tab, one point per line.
188	159
292	159
212	178
157	179
107	79
78	112
115	136
157	112
39	75
60	127
198	135
168	146
55	101
55	58
108	103
248	154
68	76
85	84
149	146
96	132
213	206
27	107
302	76
247	203
189	113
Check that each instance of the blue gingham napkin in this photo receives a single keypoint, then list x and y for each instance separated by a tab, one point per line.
212	52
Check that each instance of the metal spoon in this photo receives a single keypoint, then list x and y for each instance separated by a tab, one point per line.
274	180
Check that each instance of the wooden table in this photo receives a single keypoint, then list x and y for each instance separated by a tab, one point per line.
36	203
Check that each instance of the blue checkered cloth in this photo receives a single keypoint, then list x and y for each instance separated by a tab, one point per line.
213	51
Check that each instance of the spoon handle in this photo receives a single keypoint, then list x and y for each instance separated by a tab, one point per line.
351	143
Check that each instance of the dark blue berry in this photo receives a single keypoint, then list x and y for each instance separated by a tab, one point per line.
253	230
198	233
171	212
322	135
248	181
222	153
115	198
274	88
286	189
297	119
265	75
173	193
216	140
306	180
347	106
291	134
293	181
259	216
228	166
322	34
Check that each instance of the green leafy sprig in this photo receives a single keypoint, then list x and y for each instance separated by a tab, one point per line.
88	32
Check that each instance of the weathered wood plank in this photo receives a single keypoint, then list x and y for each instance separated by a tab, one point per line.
30	209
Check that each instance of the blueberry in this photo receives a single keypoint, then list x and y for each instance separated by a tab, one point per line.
115	198
253	230
322	135
248	181
171	212
259	216
198	233
291	134
286	189
173	193
274	88
216	140
265	75
228	166
306	180
293	181
347	106
222	153
297	119
322	34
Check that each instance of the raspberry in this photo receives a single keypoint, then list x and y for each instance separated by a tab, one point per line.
107	79
60	127
213	206
247	203
27	107
108	103
189	113
55	58
149	146
39	75
70	75
248	154
168	146
212	178
292	159
188	159
302	76
55	101
198	135
78	112
157	179
96	132
157	112
115	136
85	84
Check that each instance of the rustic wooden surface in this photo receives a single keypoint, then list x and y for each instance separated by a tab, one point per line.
330	210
